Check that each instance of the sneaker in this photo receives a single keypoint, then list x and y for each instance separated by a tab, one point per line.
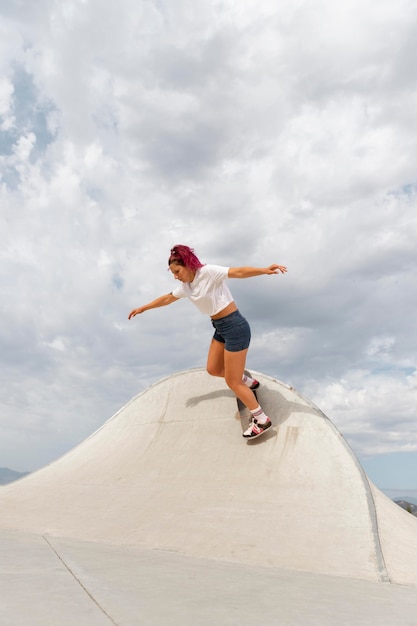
256	430
254	385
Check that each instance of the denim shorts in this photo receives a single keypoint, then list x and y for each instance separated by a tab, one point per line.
232	330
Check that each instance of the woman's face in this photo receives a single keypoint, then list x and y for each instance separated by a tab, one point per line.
184	274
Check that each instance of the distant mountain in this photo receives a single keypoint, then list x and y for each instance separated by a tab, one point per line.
408	506
408	499
8	476
408	495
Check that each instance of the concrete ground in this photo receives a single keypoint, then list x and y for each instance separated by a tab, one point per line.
166	516
49	581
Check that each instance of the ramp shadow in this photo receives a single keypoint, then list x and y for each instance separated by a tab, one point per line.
213	395
280	409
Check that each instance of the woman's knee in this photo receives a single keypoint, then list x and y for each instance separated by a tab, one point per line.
232	382
214	370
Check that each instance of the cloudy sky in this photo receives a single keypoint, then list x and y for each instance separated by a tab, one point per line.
256	132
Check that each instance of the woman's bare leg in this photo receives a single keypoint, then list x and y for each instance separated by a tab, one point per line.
234	367
231	366
215	358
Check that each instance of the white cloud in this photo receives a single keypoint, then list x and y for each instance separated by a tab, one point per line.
6	99
375	410
23	148
256	132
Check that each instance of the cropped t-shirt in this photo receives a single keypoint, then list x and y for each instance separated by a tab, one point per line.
208	291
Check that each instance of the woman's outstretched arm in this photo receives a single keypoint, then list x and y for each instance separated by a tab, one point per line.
161	301
248	272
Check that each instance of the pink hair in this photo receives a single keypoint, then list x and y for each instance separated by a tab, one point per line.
183	255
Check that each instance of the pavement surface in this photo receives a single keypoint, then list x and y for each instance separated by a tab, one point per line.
166	515
51	582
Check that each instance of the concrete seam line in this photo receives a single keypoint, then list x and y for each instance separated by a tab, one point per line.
83	587
379	553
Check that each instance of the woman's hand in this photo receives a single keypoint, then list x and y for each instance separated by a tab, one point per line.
137	311
275	269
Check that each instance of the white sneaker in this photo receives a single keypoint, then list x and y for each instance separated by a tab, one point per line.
256	429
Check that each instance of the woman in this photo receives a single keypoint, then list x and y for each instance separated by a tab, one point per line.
206	287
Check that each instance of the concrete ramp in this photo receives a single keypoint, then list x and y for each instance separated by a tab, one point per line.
171	471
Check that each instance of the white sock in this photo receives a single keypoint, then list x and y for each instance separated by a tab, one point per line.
247	380
259	415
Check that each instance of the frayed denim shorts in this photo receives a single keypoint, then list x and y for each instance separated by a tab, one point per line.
232	330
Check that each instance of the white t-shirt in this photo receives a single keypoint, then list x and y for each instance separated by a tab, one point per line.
208	291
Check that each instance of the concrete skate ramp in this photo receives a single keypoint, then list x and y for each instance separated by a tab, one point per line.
171	471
